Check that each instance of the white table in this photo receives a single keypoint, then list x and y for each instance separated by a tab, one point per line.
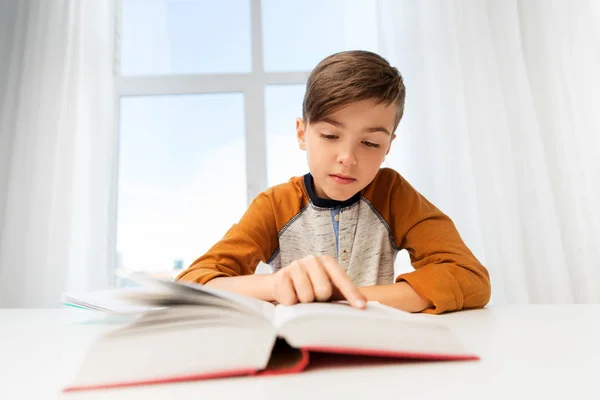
527	352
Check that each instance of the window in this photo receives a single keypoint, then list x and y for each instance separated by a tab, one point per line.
181	176
297	34
283	105
178	37
209	92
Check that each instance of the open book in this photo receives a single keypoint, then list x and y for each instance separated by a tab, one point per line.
190	332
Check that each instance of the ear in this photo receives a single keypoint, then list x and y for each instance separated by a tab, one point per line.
301	133
390	144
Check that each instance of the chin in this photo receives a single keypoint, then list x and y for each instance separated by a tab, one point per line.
340	196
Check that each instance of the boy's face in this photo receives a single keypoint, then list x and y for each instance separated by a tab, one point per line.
346	149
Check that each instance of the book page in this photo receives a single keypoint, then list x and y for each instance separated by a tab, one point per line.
178	292
109	301
155	294
378	329
284	313
182	316
146	353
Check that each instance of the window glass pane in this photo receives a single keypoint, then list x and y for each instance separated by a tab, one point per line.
284	158
182	181
297	34
185	37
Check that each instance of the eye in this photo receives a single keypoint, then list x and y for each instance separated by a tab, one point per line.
329	137
371	144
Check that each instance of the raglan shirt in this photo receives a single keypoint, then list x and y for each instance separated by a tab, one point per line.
364	234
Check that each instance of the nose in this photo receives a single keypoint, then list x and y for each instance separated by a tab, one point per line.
347	157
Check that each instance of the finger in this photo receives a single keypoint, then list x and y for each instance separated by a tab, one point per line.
320	280
302	284
284	292
343	282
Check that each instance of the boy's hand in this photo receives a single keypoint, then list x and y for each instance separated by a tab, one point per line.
314	279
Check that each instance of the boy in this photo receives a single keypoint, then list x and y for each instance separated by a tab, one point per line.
334	233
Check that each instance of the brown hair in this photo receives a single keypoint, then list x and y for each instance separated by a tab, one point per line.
351	76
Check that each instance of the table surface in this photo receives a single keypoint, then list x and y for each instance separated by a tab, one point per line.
533	351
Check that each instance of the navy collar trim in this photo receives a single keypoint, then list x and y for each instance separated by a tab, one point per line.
326	203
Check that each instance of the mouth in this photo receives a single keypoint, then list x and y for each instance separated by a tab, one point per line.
343	179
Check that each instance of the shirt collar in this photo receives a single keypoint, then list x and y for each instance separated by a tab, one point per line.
326	203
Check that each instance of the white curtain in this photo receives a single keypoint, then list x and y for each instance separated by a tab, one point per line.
502	131
57	135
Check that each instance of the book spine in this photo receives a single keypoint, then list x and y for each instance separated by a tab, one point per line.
292	369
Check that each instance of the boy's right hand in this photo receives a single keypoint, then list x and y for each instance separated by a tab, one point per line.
312	279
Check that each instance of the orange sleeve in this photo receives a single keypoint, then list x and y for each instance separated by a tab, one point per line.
446	272
252	239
